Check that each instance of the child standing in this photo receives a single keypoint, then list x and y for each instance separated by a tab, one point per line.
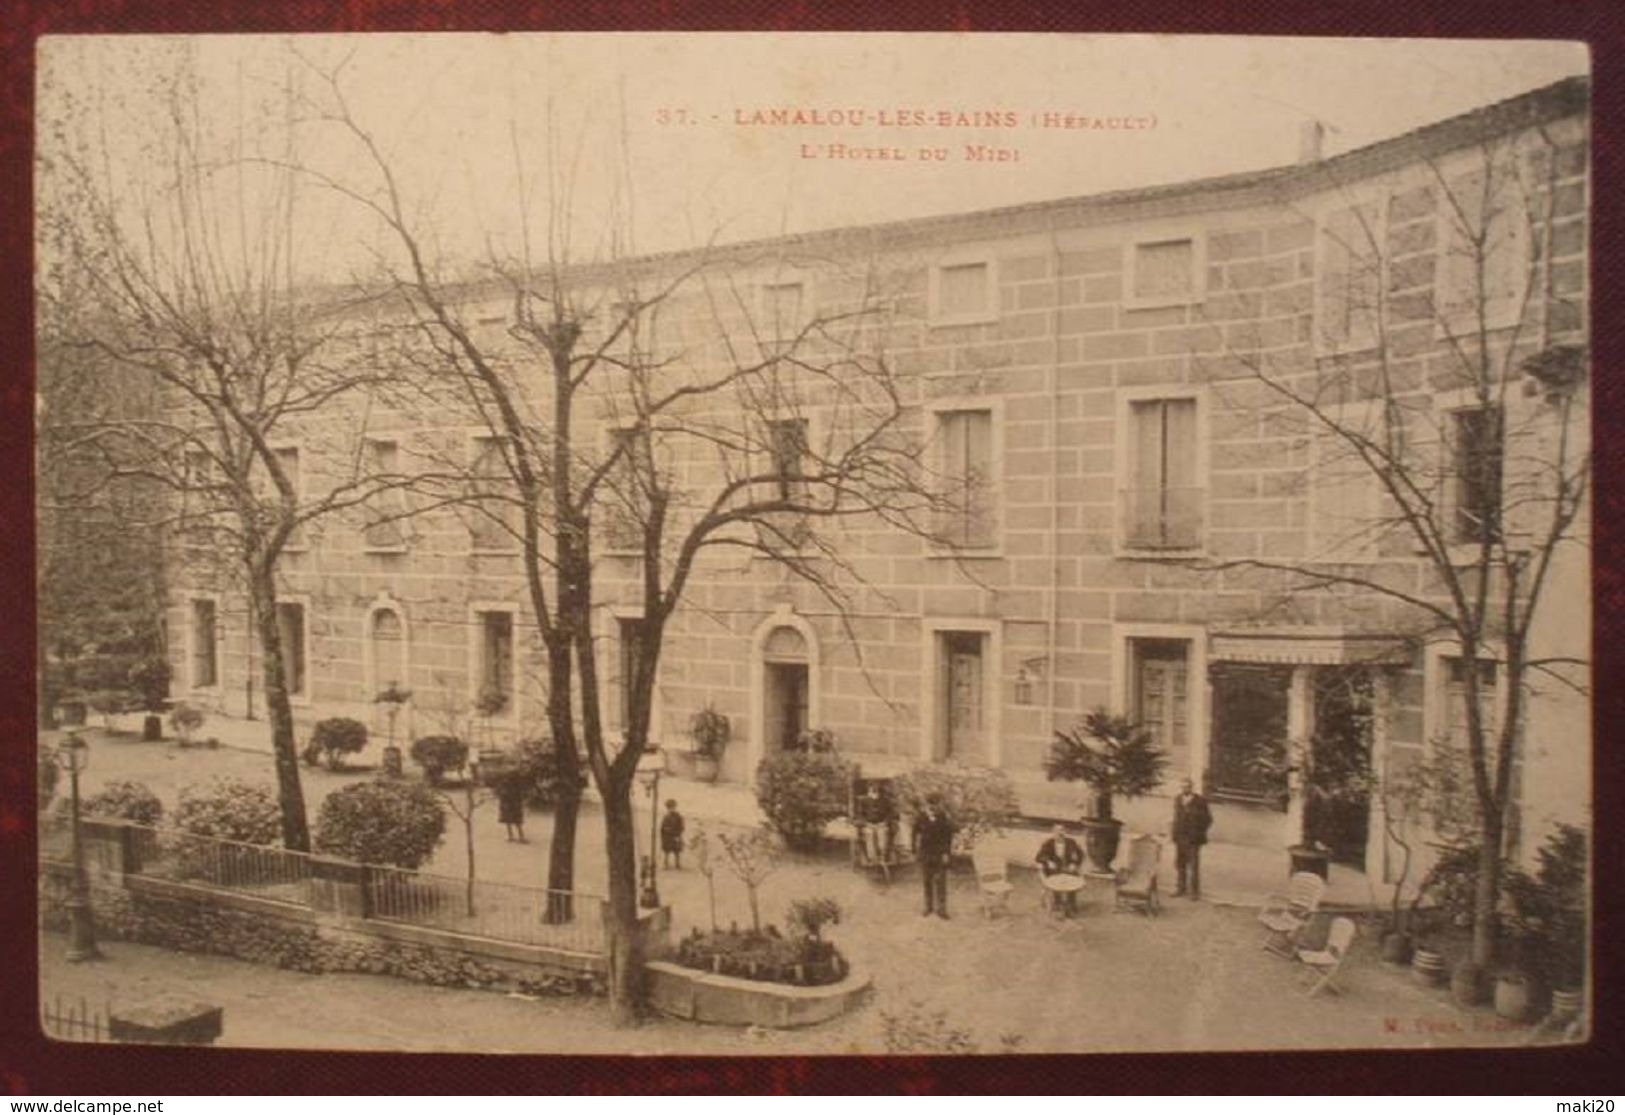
671	836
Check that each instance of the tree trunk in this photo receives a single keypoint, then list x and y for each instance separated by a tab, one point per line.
290	794
755	909
625	938
561	854
1487	891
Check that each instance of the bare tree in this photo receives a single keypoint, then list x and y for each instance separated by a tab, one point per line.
659	409
1445	412
190	288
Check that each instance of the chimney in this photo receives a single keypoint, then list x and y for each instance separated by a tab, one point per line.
1310	135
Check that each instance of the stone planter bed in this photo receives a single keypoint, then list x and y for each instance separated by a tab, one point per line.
698	996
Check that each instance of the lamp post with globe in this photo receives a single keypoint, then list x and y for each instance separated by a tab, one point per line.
650	764
73	756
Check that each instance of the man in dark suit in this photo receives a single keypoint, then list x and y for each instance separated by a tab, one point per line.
1061	855
1192	819
934	844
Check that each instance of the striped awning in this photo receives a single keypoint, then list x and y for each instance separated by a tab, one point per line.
1307	646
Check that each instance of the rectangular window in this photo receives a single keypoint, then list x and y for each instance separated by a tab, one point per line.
964	290
970	517
964	694
1162	504
205	663
1160	696
623	502
629	632
1349	279
386	532
1165	272
290	623
493	516
787	447
1486	244
781	311
1455	698
496	662
1477	454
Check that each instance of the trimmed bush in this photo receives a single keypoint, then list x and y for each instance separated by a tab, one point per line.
127	801
801	792
538	765
230	809
439	754
978	800
336	737
394	823
184	720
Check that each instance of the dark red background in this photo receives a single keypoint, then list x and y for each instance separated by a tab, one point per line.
29	1064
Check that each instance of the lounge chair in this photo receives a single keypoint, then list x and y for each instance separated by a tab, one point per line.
1284	914
1326	961
1137	883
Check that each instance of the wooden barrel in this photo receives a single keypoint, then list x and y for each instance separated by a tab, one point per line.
1427	967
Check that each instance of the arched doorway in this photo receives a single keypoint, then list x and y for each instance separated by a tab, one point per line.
387	662
784	689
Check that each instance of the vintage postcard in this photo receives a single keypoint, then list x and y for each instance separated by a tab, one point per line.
749	543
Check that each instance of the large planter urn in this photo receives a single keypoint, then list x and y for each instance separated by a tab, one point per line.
705	767
152	728
1396	948
1427	966
1468	987
1100	839
1514	996
1316	861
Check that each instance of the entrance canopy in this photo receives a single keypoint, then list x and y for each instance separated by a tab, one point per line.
1307	646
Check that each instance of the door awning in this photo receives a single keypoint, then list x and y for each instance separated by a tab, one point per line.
1307	646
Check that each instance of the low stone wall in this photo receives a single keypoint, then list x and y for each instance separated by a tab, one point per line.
199	919
727	1000
334	932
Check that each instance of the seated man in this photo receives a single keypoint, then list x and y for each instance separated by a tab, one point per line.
1061	855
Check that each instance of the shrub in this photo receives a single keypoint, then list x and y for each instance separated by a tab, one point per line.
186	719
108	703
765	955
801	792
439	754
808	916
338	736
538	766
395	823
977	800
127	801
149	679
230	809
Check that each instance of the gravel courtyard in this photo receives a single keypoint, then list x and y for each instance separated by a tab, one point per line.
1193	979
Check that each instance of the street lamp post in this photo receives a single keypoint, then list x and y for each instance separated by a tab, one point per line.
650	764
73	755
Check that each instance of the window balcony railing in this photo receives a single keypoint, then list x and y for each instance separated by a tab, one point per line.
1162	518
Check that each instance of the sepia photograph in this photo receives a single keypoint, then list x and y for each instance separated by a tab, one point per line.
767	544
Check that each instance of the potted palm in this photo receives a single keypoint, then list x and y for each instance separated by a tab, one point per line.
710	730
1114	757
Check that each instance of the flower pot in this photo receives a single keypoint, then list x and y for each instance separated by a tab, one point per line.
1100	837
1396	948
1567	1001
1316	861
705	768
1467	984
152	728
1514	997
1427	966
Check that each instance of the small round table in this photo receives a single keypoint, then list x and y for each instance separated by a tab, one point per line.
1063	890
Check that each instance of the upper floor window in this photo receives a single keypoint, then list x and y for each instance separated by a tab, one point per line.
1349	279
623	503
1476	453
1485	245
781	311
493	514
386	530
787	446
1162	497
1345	513
963	293
969	516
1164	272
